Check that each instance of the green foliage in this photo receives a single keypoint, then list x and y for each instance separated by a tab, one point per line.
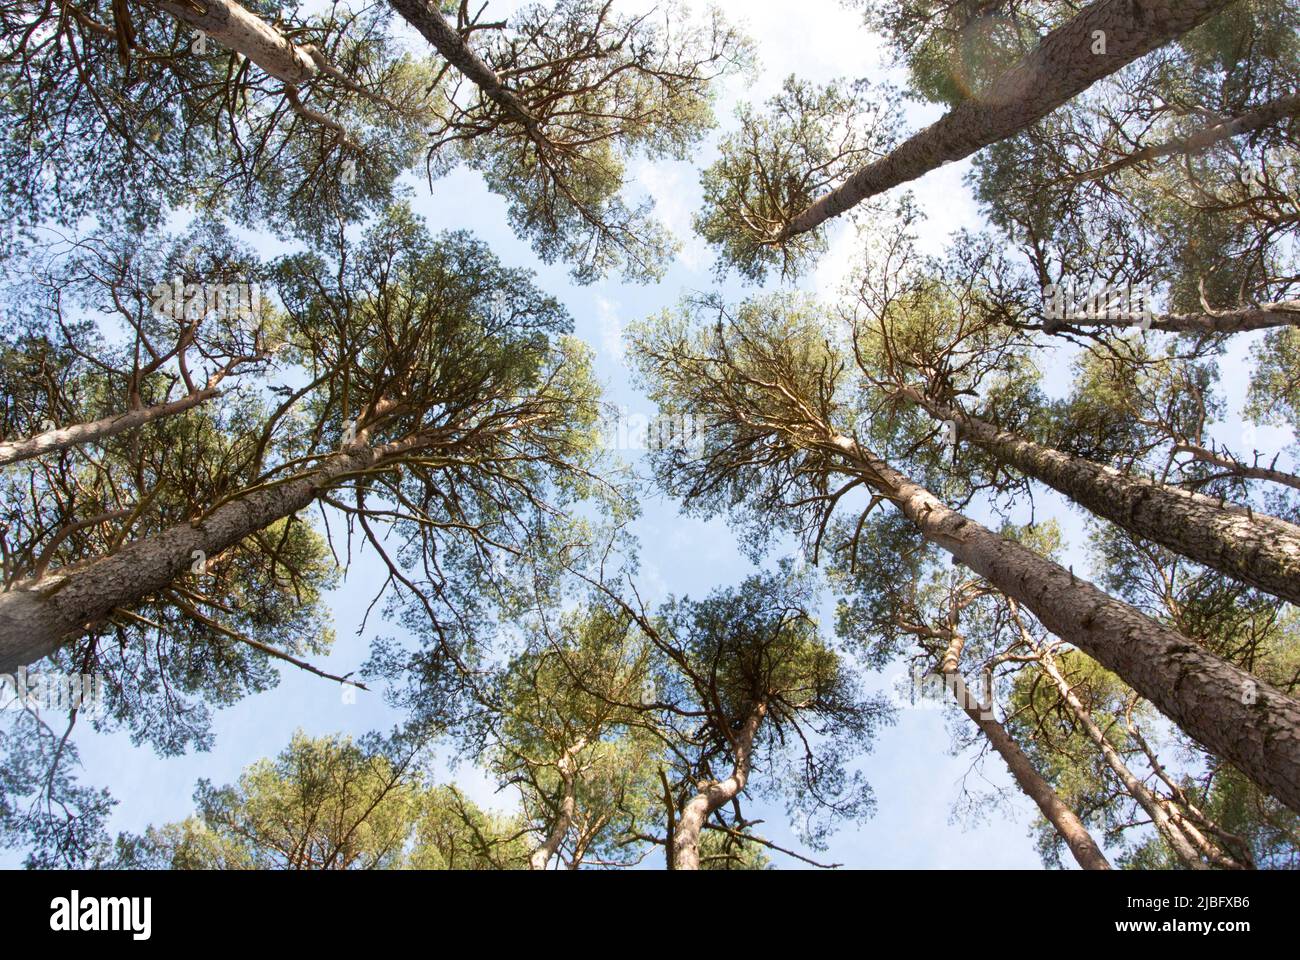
486	501
806	141
1275	383
758	645
569	725
59	822
87	133
328	803
601	89
954	50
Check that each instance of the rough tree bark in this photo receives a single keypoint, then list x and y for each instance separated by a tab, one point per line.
1231	713
1057	812
1135	788
13	451
1267	316
715	793
38	616
425	17
1252	547
1060	67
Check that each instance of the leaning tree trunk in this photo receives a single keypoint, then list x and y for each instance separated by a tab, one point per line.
1186	813
1165	825
1055	810
1252	547
38	616
563	819
237	29
1264	115
274	52
60	438
1227	710
564	814
712	795
1285	313
425	16
1061	66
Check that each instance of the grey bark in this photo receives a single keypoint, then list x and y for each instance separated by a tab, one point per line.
1262	116
1231	713
1059	68
38	616
715	793
1253	547
1055	810
61	438
426	18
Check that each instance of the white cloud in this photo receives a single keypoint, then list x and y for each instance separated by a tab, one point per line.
675	188
785	36
611	329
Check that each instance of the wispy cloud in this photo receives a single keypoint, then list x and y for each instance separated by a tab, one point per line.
610	326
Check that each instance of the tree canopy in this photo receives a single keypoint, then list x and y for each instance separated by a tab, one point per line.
1043	466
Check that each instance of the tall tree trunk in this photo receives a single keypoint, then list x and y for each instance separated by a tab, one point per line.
564	814
1255	548
424	15
1192	818
1230	712
1262	116
712	795
563	818
235	28
38	616
1056	811
1148	801
1285	313
1060	67
61	438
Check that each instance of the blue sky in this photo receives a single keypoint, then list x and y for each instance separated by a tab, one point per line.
916	778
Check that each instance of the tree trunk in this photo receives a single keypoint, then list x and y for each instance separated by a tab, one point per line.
426	18
564	816
237	29
1181	844
38	616
1183	808
1254	548
1261	116
1267	316
1057	812
712	795
1060	67
1230	712
61	438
